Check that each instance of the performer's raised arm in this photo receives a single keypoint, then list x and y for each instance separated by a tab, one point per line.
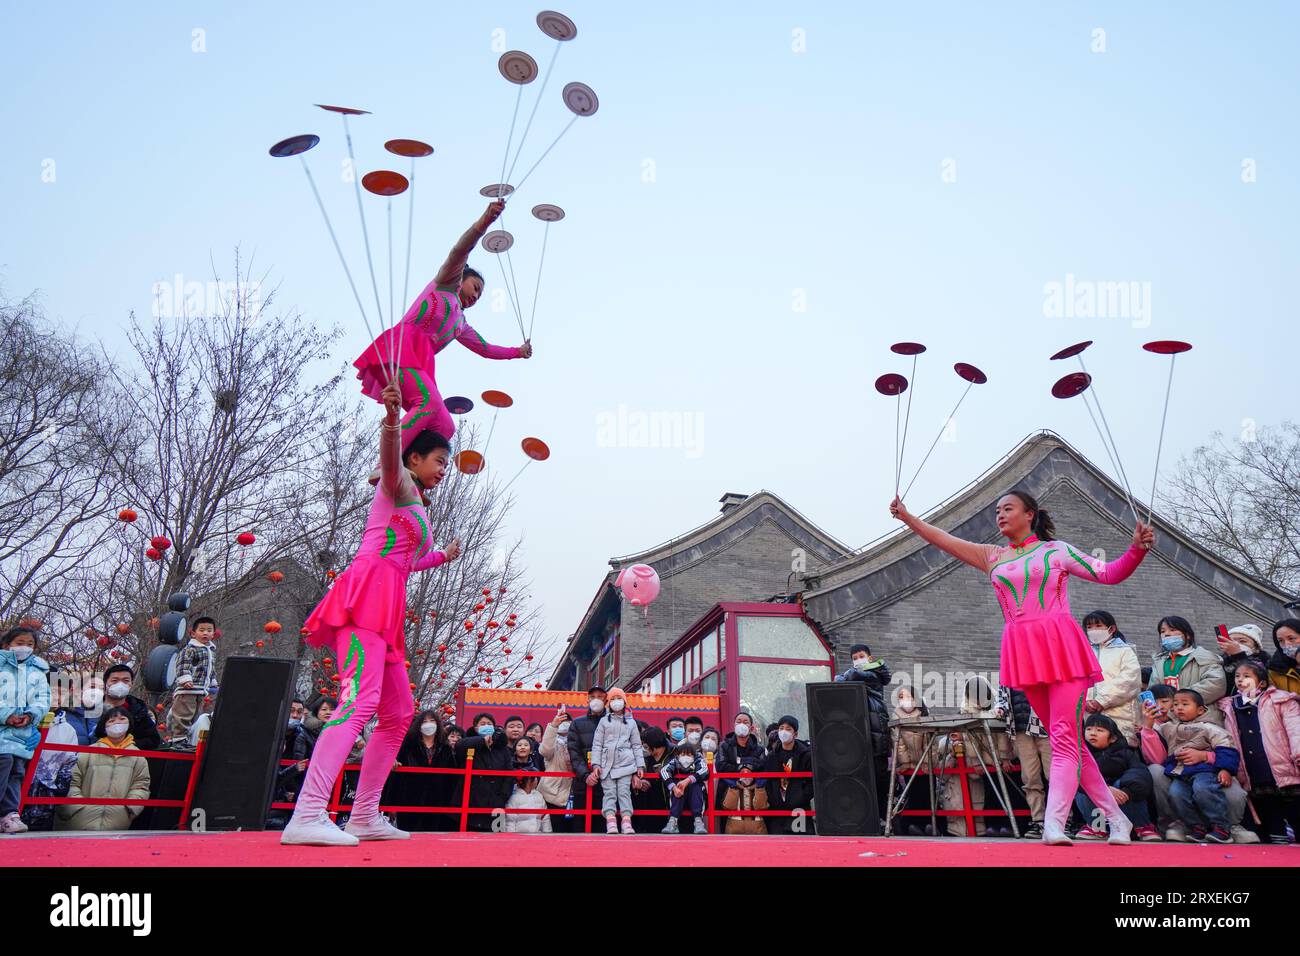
976	555
450	273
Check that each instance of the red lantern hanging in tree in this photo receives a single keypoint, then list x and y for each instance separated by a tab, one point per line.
153	554
124	629
261	643
271	627
127	515
246	538
160	542
276	577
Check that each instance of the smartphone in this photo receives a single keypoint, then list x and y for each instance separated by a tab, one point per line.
1148	699
1222	633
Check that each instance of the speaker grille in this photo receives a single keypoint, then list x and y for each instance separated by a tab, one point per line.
844	781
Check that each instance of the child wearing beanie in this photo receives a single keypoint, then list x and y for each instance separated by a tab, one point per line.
616	758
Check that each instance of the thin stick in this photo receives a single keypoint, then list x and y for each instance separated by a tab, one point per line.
536	103
546	233
495	411
935	443
544	154
338	249
906	420
1104	444
898	404
365	233
519	95
406	282
506	282
1151	503
517	474
1119	464
392	330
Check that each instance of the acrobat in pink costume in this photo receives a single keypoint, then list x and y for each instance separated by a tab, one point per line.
432	322
362	618
1045	654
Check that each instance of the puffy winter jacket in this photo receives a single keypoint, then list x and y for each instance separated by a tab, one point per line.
24	689
555	754
104	776
1279	725
1202	673
1117	694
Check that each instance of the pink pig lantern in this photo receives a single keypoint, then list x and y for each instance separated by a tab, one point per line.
639	584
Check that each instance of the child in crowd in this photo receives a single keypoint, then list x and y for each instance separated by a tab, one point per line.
525	795
1264	724
907	753
1124	772
1201	763
196	677
686	793
24	701
616	757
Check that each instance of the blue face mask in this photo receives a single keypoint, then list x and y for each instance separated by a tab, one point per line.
487	730
1171	644
295	722
1292	651
679	733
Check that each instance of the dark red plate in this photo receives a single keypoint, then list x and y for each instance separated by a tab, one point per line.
535	449
970	373
1076	383
408	147
385	182
1168	347
497	399
1071	352
907	348
294	145
458	405
891	384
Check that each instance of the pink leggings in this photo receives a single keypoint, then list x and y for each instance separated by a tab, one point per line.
370	685
1060	707
425	407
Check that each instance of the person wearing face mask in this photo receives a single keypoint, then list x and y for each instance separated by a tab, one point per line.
107	776
1243	643
557	792
1264	724
582	733
694	728
24	702
1116	694
789	794
117	693
740	744
492	751
423	746
82	710
675	731
288	778
1284	665
525	795
616	759
863	667
650	793
908	751
1184	666
684	778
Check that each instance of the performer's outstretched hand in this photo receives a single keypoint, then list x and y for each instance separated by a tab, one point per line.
492	213
899	510
526	350
453	550
1144	536
392	397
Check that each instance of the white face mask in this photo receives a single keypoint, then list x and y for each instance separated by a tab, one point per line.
117	730
118	691
1098	635
428	729
907	705
563	728
686	761
785	735
22	652
616	705
1250	692
91	698
742	730
693	737
596	705
709	746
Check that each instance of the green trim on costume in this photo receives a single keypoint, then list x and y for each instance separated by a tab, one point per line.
414	418
390	536
424	529
424	307
1011	587
1017	557
1078	732
1042	588
1083	562
357	652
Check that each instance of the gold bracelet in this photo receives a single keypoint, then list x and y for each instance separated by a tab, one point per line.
390	428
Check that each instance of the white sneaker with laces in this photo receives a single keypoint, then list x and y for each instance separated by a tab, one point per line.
1054	835
318	832
12	823
1121	831
376	828
1241	835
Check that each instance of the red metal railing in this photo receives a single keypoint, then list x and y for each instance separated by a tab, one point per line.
195	759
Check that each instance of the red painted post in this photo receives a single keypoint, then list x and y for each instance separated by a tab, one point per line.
464	799
960	753
31	766
194	780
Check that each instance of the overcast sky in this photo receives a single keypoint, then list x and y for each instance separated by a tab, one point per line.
766	199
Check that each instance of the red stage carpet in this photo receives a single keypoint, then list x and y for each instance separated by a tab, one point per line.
503	849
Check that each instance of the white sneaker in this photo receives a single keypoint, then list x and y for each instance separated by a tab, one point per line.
12	823
318	832
1121	831
376	828
1177	833
700	825
1054	835
1241	835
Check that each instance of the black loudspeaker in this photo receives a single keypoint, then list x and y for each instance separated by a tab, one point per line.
244	745
844	775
